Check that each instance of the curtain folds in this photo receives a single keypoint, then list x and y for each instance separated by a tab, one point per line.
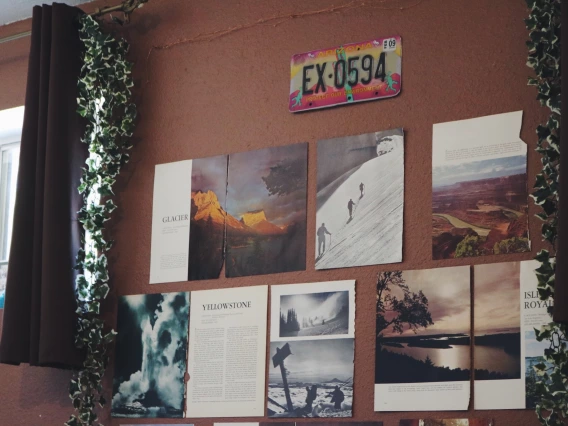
561	285
39	314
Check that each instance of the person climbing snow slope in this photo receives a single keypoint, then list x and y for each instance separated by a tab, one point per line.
350	205
322	230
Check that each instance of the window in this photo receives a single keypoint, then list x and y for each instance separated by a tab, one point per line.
10	133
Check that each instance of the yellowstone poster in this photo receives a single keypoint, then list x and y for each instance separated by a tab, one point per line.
227	352
150	356
266	206
312	335
360	199
507	311
188	220
422	340
479	187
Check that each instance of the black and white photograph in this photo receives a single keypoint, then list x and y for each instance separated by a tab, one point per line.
360	200
422	326
314	314
311	378
150	356
312	311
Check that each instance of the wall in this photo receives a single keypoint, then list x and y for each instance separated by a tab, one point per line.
461	59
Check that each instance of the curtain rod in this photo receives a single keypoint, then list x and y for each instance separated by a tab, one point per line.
127	7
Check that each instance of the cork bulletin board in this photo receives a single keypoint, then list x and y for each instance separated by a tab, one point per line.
462	59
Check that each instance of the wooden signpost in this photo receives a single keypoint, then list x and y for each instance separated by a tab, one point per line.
278	360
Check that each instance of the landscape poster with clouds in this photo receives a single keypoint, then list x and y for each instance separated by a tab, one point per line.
150	356
266	211
188	220
422	340
479	187
507	311
247	210
360	200
312	334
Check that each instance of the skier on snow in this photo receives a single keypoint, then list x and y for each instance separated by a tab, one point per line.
322	230
350	205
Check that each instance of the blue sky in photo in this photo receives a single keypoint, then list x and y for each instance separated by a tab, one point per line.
477	170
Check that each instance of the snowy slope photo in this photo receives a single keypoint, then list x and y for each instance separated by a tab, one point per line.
311	379
360	198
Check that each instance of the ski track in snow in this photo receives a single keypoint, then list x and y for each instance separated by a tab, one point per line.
374	236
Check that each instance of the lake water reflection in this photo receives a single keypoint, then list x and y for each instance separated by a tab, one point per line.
496	359
455	357
486	357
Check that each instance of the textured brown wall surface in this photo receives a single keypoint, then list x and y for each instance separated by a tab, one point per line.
462	59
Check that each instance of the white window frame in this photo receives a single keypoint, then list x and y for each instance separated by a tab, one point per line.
11	122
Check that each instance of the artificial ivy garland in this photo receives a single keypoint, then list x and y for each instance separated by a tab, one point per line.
104	100
543	24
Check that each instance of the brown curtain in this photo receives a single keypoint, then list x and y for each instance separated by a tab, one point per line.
39	314
561	285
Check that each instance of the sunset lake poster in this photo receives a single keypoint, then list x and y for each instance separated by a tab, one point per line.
266	211
188	220
312	335
479	187
360	200
422	361
507	310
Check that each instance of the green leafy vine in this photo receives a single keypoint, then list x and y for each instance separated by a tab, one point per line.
104	101
543	24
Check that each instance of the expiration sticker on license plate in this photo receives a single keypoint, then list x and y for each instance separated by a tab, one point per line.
346	74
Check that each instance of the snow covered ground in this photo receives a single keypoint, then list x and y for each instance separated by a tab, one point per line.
322	407
374	235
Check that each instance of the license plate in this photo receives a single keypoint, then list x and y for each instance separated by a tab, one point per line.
346	74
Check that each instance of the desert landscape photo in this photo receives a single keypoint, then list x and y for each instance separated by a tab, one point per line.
480	208
266	211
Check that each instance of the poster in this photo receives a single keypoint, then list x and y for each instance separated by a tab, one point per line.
447	422
360	199
507	310
312	334
301	424
423	345
350	73
479	187
227	352
188	220
3	276
534	315
266	205
150	355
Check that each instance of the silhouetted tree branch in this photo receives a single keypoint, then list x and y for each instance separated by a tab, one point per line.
409	312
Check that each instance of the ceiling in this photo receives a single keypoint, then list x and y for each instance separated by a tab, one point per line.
16	10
